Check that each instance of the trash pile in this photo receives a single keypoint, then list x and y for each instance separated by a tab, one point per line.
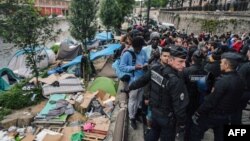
51	122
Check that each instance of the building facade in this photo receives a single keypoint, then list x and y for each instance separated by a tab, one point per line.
53	7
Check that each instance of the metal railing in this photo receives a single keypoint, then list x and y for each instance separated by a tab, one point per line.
236	6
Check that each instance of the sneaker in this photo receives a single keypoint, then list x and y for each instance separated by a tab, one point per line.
133	123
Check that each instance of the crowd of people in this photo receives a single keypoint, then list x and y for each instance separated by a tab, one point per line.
184	84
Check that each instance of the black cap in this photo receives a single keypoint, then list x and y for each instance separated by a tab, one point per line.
179	52
232	56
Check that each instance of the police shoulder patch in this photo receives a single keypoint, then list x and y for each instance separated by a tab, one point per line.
182	96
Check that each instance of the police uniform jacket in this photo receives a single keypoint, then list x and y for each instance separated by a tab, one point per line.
225	96
168	93
244	72
191	75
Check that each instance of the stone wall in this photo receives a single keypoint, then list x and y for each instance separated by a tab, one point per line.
214	22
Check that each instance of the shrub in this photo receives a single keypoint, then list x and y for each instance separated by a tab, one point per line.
55	48
4	112
16	98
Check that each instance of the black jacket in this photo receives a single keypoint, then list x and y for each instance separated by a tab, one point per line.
213	67
225	96
244	72
168	93
191	75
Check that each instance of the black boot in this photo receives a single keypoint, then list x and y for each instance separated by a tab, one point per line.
133	123
138	115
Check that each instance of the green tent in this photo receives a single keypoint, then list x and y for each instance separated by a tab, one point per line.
104	84
7	78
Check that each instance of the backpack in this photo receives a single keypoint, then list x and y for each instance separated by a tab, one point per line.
124	76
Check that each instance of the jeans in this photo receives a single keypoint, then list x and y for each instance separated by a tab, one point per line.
216	122
163	127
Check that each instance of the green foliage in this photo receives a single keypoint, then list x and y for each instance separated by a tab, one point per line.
55	48
126	7
83	19
158	3
6	8
83	26
44	73
209	25
4	112
16	98
28	30
110	13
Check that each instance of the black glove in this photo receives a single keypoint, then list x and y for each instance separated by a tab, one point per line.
195	118
180	131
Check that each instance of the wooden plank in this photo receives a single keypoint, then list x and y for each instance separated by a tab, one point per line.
95	135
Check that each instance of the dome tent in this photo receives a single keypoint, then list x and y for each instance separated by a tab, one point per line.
7	78
105	84
18	62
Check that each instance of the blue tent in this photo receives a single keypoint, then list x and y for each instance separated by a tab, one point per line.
93	55
103	36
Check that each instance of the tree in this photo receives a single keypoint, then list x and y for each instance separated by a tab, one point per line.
28	31
126	7
6	8
158	3
200	4
190	4
83	27
110	14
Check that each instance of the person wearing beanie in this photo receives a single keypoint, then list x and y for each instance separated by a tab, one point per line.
220	106
168	97
153	51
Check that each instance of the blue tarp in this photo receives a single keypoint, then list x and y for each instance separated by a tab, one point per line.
103	36
105	52
93	55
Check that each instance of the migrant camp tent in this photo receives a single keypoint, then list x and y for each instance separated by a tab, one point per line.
108	50
18	62
7	78
105	84
69	50
74	65
104	36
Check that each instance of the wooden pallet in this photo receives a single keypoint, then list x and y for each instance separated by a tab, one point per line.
93	137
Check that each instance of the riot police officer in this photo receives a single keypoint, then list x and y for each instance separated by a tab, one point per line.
244	72
168	97
191	75
219	106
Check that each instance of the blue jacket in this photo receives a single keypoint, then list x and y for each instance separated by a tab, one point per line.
126	64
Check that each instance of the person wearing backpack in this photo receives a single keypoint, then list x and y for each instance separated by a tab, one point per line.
134	70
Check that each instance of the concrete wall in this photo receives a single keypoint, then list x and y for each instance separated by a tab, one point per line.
192	21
